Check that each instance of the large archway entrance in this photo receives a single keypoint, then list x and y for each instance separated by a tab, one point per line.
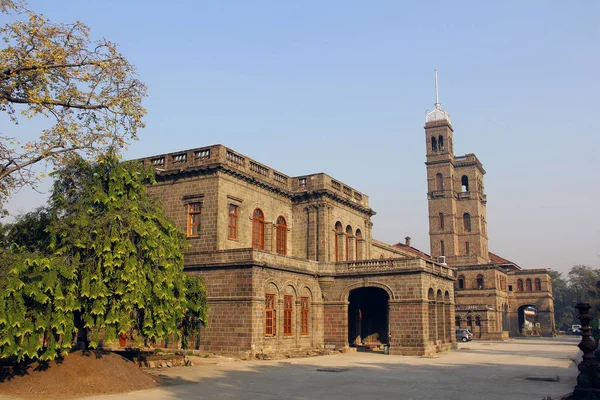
528	320
368	316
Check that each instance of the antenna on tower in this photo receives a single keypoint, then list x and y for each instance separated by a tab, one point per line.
437	98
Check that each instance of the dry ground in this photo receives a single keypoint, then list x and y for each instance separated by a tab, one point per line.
79	374
477	370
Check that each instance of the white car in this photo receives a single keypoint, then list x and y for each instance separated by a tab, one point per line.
576	329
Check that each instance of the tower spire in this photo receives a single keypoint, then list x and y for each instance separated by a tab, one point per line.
437	97
437	114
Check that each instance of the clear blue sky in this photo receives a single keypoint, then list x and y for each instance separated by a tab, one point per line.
342	87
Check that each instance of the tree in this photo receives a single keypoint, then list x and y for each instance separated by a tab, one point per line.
114	265
86	88
197	309
564	301
129	255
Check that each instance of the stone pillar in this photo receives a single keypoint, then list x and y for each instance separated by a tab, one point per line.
335	316
449	322
431	322
546	320
311	233
408	328
440	320
323	229
513	318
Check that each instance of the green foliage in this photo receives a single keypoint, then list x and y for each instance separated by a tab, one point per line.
582	285
564	303
28	231
197	309
129	253
39	295
110	261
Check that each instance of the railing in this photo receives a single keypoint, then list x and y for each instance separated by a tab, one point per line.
464	195
179	158
203	154
235	158
436	194
280	178
158	162
259	169
221	154
471	307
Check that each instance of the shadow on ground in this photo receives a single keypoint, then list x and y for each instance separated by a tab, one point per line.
481	375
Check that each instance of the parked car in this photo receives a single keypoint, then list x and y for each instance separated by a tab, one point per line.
576	329
464	335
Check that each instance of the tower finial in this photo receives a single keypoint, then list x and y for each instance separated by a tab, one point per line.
437	98
437	114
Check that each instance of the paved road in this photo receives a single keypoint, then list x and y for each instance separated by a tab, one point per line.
478	370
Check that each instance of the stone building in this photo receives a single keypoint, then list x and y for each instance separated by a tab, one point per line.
492	294
290	263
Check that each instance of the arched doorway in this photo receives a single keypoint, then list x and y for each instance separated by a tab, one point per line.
528	320
368	316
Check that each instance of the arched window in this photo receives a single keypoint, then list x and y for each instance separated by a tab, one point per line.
441	221
457	322
258	229
528	285
464	181
359	245
519	285
439	182
470	322
477	320
467	222
336	239
270	315
538	284
433	144
348	236
441	143
480	281
281	236
461	282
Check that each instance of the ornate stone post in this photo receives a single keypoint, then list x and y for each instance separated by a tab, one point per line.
588	381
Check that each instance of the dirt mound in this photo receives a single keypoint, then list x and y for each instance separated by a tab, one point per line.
78	374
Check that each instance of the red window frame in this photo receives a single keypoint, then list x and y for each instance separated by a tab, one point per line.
519	285
304	316
270	315
288	303
281	246
194	213
258	229
233	218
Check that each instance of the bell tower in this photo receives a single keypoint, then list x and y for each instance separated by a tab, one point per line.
457	215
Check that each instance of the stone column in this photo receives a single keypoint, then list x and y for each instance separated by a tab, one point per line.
546	323
335	316
408	328
311	232
323	230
